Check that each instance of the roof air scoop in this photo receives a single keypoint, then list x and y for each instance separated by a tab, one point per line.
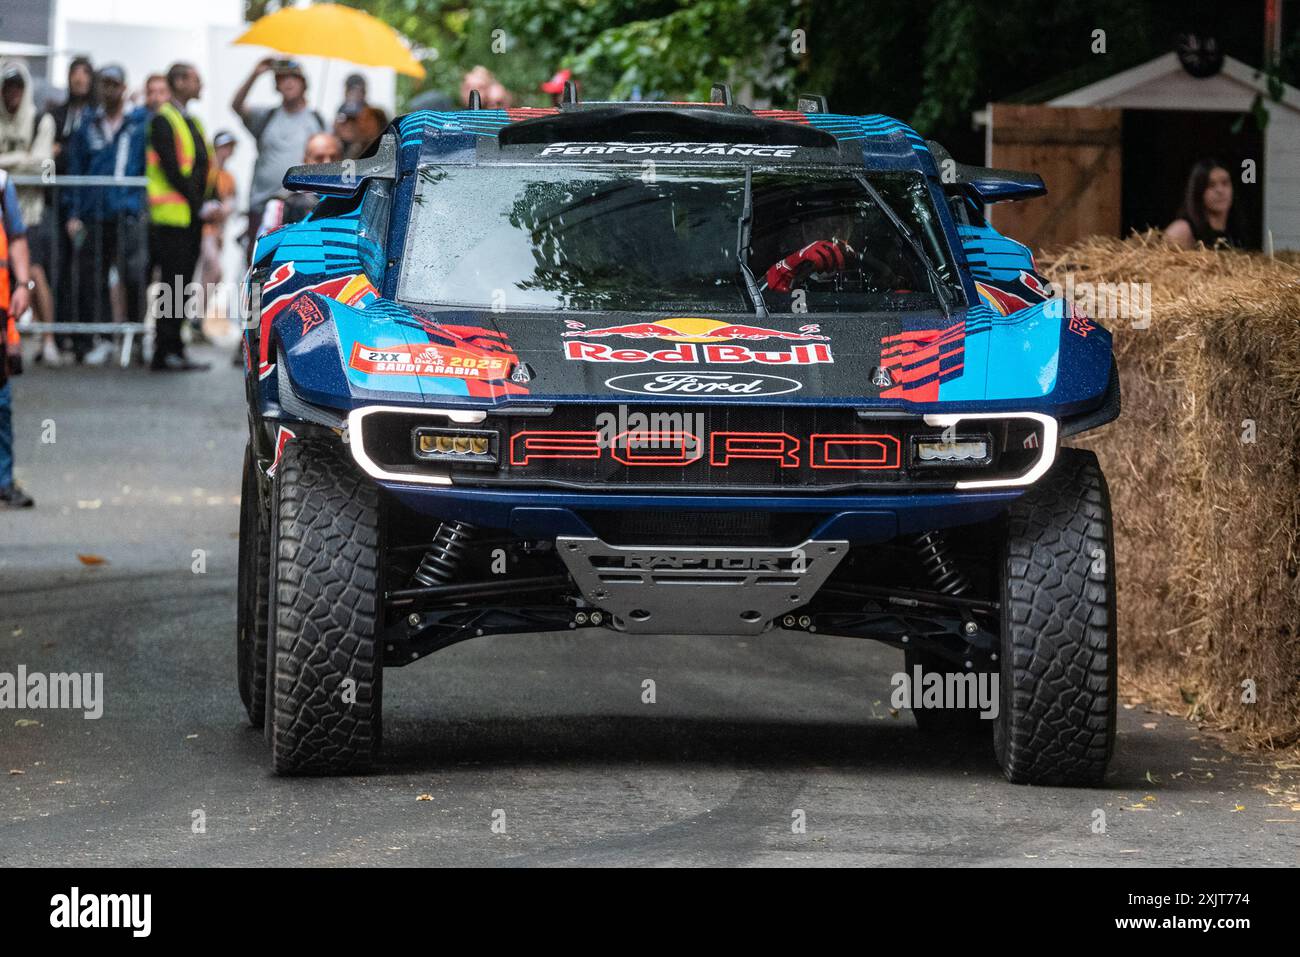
657	124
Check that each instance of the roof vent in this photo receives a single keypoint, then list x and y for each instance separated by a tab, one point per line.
720	93
570	94
812	103
654	124
475	101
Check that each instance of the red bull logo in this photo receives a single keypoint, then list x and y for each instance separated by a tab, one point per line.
699	340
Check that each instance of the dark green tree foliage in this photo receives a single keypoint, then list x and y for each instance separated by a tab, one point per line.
930	62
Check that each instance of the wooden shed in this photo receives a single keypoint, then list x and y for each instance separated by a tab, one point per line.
1116	153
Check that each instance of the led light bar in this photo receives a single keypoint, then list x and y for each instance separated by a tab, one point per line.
454	446
963	450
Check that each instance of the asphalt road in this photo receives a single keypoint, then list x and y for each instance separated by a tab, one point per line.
547	734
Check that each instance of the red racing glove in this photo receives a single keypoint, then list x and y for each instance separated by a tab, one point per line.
824	255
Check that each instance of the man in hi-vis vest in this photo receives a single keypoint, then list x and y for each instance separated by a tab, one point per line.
177	171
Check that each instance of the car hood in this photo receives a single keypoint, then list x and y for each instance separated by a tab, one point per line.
342	356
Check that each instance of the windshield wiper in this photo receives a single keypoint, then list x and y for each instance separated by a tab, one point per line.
936	280
744	228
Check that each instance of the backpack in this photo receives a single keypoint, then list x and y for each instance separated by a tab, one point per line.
266	121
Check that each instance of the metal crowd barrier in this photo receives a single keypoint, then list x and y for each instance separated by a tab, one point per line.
69	266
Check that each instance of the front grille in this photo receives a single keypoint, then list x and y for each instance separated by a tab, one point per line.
706	448
735	447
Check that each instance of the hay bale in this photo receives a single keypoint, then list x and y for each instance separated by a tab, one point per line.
1204	471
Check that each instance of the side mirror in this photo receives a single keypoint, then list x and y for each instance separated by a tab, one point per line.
984	184
346	177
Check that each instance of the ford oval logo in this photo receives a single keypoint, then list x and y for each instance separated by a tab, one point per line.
717	384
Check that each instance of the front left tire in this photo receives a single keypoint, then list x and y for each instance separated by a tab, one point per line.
324	711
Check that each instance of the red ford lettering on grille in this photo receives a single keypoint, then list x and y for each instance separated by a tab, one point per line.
642	447
778	446
852	451
529	445
656	448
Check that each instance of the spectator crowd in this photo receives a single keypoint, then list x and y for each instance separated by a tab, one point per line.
118	190
108	191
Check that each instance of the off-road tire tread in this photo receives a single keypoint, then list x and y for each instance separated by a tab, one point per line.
327	614
1058	691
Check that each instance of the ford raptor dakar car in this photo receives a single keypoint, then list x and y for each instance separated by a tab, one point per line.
686	369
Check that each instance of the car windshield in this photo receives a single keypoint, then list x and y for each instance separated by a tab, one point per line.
622	237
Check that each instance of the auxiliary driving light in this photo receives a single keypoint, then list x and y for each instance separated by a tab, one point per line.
957	450
458	446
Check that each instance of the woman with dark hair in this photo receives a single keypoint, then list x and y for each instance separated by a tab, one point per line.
1207	215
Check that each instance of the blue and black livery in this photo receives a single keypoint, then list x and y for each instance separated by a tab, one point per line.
538	469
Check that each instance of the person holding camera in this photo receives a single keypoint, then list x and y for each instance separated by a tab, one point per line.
281	133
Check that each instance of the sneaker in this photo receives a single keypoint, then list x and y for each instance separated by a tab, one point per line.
50	355
11	496
100	353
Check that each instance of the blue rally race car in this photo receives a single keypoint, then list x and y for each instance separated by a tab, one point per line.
684	369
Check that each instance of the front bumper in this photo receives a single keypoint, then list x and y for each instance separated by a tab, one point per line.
858	519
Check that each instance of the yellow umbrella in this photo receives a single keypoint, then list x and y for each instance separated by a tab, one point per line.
333	31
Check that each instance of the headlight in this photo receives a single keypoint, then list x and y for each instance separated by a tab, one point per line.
959	450
454	446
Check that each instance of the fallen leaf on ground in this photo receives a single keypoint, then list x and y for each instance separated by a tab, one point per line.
425	797
92	559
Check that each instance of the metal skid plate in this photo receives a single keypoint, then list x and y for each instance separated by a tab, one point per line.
672	590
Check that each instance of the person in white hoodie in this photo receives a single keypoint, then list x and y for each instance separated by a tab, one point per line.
27	149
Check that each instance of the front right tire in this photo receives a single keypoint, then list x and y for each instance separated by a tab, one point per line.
324	712
1056	721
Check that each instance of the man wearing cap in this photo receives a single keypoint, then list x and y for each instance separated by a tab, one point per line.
354	89
281	133
345	127
103	222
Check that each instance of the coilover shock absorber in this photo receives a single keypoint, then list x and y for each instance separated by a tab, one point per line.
945	574
445	554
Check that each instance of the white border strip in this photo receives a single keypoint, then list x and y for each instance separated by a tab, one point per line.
1050	431
357	417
